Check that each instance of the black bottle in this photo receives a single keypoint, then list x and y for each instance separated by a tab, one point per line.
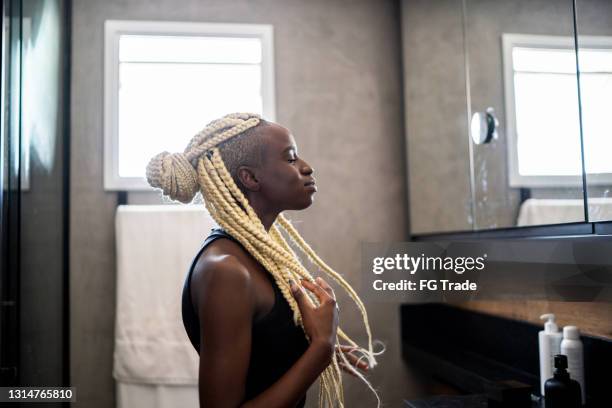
561	391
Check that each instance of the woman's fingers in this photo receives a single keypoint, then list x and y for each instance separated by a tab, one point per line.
354	360
347	369
319	292
325	286
300	296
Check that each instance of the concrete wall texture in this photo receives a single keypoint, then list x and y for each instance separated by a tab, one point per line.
338	88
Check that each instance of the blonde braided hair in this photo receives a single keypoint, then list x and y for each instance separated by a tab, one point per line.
201	167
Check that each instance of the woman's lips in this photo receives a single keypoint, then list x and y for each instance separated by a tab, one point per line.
311	185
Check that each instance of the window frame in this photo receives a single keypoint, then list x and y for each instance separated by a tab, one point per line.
113	29
509	41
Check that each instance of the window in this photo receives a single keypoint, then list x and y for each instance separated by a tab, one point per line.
543	126
165	81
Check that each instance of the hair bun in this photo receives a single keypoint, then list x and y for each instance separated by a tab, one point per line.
175	175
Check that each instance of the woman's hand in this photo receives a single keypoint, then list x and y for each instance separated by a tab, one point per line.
320	322
352	359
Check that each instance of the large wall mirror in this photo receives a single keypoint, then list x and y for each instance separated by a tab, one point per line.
594	33
506	119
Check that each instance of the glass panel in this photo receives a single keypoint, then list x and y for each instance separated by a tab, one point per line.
526	164
151	121
544	60
537	97
42	227
594	22
597	125
436	119
226	50
9	239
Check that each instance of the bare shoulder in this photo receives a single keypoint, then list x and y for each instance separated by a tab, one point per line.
220	271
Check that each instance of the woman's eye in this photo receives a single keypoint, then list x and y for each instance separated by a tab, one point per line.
292	160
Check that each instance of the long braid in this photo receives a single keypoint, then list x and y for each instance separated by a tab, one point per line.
262	240
295	236
201	168
234	223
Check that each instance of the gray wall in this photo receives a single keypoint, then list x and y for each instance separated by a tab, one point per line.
338	84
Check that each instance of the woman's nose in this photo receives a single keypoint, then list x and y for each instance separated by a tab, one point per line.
306	169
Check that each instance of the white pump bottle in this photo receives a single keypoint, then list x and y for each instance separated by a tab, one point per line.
549	341
572	347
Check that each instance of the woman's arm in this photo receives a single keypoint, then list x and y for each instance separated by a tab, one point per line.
225	308
292	386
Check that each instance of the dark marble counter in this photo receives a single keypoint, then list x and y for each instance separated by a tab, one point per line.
443	401
490	357
463	401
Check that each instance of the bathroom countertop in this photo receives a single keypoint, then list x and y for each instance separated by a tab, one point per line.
450	401
487	357
463	401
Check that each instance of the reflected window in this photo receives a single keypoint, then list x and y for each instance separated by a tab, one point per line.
543	125
166	81
596	96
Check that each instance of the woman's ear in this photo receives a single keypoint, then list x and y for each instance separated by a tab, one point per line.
247	177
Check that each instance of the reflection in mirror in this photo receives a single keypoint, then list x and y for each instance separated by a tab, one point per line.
594	29
483	126
492	118
436	118
521	61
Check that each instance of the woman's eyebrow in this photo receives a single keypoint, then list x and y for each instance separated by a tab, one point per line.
287	149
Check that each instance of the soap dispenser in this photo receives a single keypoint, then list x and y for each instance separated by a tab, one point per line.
561	391
571	346
549	341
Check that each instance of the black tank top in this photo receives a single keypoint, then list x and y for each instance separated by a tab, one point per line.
276	343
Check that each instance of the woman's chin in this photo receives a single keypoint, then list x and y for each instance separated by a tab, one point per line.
307	202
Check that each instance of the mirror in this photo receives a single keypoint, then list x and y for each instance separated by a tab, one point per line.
521	62
436	119
594	22
503	77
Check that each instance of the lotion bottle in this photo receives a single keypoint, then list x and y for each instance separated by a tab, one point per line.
549	341
571	346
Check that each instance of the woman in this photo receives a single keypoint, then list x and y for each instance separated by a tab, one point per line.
264	328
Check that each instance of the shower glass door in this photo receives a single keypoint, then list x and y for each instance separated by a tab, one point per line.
9	190
34	242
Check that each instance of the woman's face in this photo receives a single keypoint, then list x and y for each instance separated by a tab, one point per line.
285	179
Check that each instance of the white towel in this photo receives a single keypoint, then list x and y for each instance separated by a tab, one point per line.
155	247
537	211
156	396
